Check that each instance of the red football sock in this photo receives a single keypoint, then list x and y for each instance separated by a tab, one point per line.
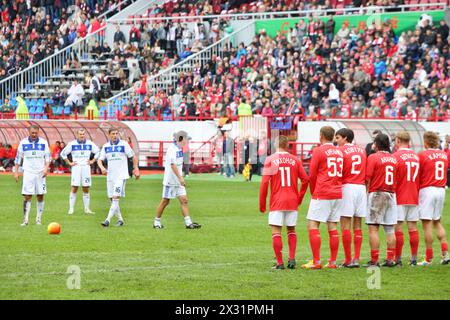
315	243
357	241
374	255
292	241
277	244
347	244
334	244
414	242
429	254
444	247
390	254
399	241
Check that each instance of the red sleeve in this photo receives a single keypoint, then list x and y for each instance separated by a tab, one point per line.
305	181
313	168
370	168
264	186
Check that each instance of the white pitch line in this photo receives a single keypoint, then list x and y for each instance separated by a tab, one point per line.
131	269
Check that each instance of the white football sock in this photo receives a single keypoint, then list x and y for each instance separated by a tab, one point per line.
26	210
118	213
112	209
40	210
157	222
187	221
86	200
72	200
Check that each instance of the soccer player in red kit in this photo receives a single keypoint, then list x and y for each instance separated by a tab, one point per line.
325	175
282	171
433	176
381	174
354	195
407	195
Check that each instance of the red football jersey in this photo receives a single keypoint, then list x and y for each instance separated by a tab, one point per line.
325	172
381	172
433	168
282	170
354	170
407	189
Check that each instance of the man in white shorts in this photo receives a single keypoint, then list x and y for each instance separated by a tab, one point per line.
35	154
282	171
381	175
407	195
325	174
173	183
81	150
433	176
354	195
116	152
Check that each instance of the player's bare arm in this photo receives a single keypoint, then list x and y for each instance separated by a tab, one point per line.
16	172
136	168
102	168
47	165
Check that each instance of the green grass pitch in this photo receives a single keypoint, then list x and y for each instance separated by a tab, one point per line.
230	257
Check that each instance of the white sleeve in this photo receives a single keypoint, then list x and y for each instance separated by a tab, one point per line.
95	151
102	155
171	156
19	154
128	151
47	155
65	152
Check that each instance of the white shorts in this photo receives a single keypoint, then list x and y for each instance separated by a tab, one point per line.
283	218
407	212
354	201
431	203
81	176
116	188
382	208
33	184
172	192
324	210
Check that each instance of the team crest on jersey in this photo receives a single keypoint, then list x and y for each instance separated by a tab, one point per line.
115	149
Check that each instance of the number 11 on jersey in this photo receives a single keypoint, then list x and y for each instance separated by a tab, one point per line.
285	173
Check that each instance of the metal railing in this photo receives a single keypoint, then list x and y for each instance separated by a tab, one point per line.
169	76
285	14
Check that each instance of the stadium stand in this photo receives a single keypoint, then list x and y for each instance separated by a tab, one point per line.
364	71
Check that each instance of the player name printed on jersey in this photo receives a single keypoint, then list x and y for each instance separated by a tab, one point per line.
433	168
407	188
326	172
382	172
282	170
354	169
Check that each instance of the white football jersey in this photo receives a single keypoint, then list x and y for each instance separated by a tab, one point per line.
174	155
34	154
117	155
81	152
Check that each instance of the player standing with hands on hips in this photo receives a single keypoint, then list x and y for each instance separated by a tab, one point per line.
116	152
35	153
282	171
173	183
81	150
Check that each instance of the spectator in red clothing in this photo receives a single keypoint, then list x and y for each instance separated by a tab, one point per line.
7	156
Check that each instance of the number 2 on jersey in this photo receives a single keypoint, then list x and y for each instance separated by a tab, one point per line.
356	161
285	173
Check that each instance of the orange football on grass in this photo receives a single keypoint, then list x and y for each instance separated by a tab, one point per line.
54	228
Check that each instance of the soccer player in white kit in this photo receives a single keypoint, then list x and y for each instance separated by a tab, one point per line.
81	150
116	152
173	183
35	153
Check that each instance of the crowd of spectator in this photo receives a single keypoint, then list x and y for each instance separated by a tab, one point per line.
359	71
32	30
